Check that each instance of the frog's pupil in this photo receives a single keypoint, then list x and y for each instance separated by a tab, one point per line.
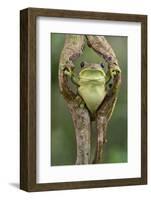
102	65
82	64
110	85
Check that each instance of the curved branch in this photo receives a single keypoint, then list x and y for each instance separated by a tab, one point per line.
81	120
103	116
100	45
73	48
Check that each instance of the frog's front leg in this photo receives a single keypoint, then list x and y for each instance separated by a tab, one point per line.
71	74
114	71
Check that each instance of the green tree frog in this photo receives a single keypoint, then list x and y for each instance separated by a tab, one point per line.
92	83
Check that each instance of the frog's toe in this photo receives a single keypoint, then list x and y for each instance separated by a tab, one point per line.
114	71
82	105
68	72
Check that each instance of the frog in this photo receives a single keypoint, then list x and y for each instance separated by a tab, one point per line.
92	84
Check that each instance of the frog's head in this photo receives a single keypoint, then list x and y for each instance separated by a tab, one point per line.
92	72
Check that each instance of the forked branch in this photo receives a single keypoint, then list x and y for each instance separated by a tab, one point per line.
73	48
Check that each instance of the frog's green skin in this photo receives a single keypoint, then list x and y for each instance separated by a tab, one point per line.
91	82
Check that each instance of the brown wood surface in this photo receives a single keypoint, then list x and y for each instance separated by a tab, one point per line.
28	98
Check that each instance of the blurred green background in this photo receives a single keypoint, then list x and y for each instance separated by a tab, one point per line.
63	141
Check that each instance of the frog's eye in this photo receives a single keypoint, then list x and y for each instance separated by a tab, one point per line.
102	65
82	64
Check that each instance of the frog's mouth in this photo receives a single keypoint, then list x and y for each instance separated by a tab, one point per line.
92	79
92	74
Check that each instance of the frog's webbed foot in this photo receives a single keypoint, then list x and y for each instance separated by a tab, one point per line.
67	68
113	80
68	72
114	71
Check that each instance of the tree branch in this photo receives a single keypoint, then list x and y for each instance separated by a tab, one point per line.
100	45
81	120
73	48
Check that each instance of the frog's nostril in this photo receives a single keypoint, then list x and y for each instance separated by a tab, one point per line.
82	64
